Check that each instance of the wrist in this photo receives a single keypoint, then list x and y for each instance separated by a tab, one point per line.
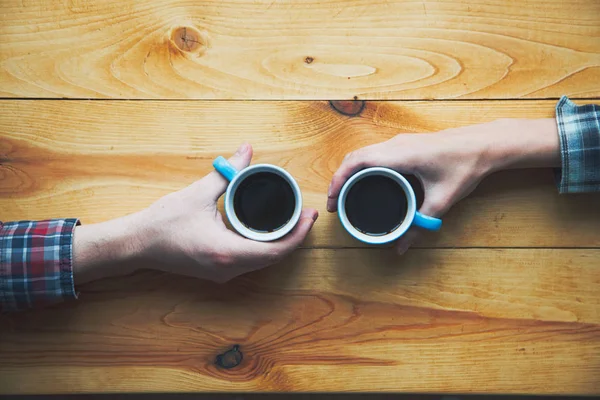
521	143
106	249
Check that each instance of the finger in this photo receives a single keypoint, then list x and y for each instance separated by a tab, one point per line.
352	163
294	239
432	206
253	255
407	240
214	184
436	202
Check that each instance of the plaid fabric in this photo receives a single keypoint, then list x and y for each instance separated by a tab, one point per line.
36	263
579	131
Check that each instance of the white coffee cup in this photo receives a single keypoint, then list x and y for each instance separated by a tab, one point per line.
236	177
412	217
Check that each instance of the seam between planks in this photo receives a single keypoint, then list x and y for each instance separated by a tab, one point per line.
449	248
297	100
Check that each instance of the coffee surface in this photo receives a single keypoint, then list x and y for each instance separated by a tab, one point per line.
376	205
264	202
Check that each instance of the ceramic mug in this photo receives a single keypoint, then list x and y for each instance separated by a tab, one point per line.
412	217
236	177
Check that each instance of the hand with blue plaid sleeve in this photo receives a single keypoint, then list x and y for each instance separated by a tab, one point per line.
450	164
182	233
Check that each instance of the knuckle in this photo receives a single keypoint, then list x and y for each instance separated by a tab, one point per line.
221	258
356	157
272	257
437	206
359	154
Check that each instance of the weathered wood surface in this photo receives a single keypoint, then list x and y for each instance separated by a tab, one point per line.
98	160
463	320
504	299
273	49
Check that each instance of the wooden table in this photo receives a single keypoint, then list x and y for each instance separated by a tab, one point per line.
108	105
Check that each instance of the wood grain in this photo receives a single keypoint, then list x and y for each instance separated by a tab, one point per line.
504	299
98	160
283	49
495	321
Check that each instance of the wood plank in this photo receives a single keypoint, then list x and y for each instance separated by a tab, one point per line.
98	160
284	49
450	320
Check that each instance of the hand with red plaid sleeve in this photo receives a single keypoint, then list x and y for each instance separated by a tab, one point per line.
182	233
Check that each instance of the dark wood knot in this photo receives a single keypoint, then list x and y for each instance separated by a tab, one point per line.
350	108
188	39
231	358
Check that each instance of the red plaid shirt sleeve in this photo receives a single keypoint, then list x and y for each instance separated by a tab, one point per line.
36	263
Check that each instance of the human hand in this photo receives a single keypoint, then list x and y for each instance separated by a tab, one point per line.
451	163
184	231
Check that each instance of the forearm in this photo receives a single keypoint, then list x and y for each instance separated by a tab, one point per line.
522	143
106	249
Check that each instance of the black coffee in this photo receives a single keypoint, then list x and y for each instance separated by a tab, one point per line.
376	205
264	202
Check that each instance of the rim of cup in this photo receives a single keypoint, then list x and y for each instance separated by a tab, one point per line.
239	226
410	210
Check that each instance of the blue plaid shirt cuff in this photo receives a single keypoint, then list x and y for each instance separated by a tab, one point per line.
579	131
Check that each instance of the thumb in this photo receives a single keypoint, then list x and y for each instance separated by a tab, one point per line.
214	184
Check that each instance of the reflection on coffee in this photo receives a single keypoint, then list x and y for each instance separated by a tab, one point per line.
376	205
264	202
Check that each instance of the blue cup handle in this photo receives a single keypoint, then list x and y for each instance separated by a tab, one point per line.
427	222
224	168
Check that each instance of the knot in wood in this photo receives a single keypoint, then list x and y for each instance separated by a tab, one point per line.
187	39
231	358
350	108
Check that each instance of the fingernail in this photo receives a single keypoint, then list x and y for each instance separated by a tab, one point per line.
315	216
242	149
330	206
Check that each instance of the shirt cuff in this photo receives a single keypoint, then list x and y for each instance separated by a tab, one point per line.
579	131
36	263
